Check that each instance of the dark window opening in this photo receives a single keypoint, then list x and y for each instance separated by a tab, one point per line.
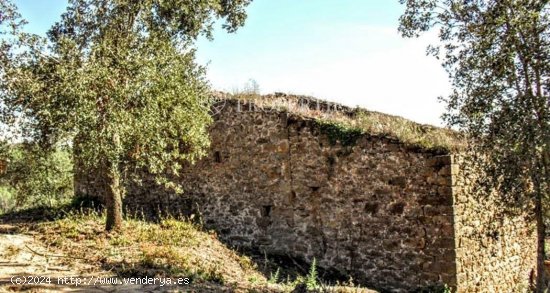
371	208
266	211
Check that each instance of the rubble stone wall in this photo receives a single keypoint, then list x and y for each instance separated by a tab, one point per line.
495	245
388	214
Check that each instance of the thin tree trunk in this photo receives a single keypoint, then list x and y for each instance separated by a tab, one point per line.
541	274
113	200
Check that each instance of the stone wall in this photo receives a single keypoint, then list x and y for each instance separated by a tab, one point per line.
385	213
495	244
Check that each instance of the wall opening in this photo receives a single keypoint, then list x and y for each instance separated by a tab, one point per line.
217	157
266	211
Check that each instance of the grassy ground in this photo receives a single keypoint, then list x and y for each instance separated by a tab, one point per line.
169	248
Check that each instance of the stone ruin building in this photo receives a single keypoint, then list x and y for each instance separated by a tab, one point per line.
394	216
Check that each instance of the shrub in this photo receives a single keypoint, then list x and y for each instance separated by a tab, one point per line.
34	179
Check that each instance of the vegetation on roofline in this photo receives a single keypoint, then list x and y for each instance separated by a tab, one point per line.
338	132
346	125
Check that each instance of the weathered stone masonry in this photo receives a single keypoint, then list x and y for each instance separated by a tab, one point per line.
392	216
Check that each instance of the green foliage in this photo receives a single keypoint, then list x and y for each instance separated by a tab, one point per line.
7	199
4	150
274	278
498	56
36	179
311	278
339	132
117	78
497	53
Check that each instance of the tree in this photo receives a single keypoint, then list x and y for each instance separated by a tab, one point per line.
34	179
117	78
497	54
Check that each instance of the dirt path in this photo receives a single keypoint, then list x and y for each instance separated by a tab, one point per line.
24	260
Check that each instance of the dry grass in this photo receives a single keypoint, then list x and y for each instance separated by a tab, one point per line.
369	122
406	131
10	251
171	248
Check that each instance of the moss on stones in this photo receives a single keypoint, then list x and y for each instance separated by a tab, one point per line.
338	132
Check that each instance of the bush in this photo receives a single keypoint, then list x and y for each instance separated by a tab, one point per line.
33	178
7	199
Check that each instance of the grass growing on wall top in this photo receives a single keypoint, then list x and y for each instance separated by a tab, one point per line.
347	125
406	131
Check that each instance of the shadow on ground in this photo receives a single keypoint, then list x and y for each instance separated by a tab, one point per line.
283	268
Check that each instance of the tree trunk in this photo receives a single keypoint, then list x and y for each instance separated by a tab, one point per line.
541	272
113	200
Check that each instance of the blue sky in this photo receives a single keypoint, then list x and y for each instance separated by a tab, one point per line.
346	51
